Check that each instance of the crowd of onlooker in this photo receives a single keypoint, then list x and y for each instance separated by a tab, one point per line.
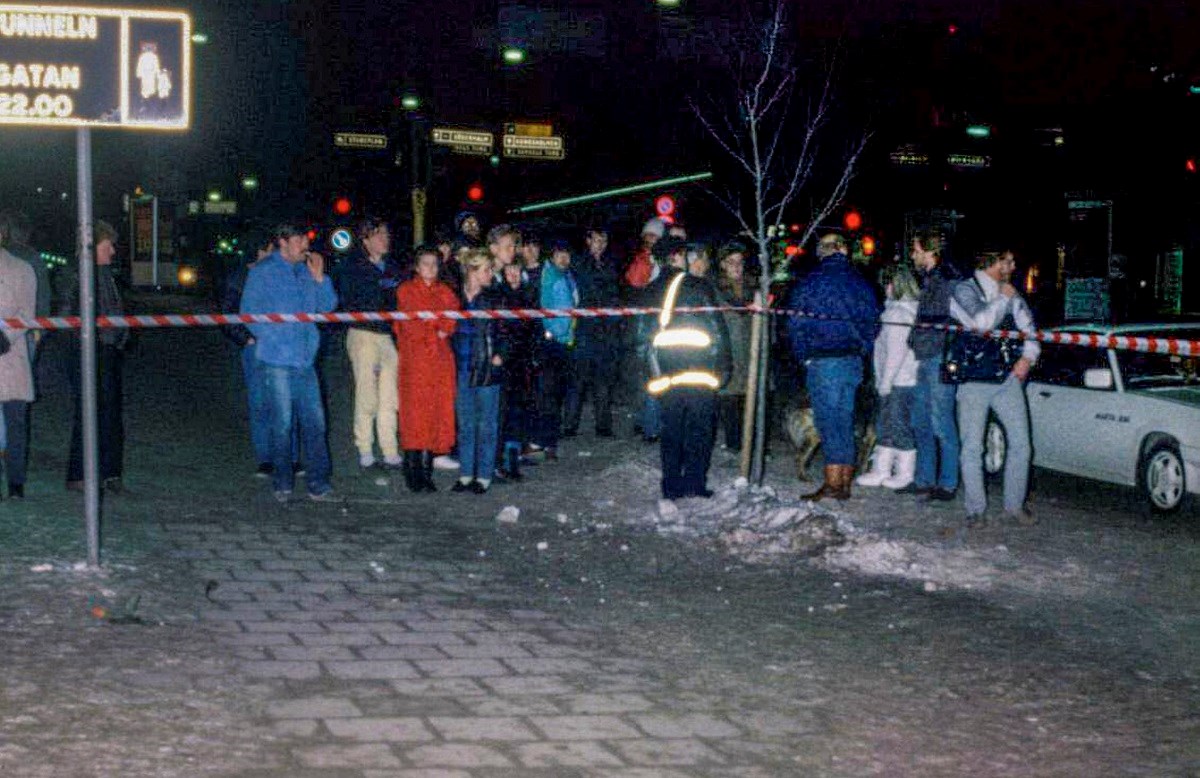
486	396
481	396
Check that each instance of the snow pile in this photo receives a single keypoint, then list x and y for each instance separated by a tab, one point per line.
749	522
935	567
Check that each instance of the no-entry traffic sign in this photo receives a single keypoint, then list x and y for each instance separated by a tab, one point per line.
94	66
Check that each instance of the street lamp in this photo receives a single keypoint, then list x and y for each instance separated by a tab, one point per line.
214	196
669	3
512	55
979	131
410	102
250	182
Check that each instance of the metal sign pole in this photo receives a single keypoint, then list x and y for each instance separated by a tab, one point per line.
87	343
154	241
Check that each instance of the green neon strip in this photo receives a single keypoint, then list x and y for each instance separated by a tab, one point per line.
623	190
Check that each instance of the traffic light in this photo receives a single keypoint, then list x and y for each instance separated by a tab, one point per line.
868	246
342	206
852	221
475	193
1190	165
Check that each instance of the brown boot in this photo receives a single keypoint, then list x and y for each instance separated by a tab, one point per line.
829	488
845	479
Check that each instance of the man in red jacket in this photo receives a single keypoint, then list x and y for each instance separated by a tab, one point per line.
641	268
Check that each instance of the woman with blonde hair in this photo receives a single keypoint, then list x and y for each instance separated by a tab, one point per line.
480	347
894	461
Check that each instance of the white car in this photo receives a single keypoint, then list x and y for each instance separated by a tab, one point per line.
1123	417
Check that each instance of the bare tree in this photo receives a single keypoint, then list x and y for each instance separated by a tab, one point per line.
776	149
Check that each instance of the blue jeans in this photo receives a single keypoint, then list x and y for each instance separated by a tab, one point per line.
832	383
259	406
477	413
934	426
294	395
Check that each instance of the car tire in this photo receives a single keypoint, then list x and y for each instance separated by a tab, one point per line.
1163	479
995	447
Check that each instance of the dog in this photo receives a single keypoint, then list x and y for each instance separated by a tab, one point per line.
802	432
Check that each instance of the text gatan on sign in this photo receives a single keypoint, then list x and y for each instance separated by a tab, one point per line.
94	66
477	142
360	140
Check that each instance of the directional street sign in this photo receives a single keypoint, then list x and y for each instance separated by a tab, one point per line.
107	67
534	147
477	142
360	140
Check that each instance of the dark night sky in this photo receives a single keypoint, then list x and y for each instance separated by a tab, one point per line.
278	77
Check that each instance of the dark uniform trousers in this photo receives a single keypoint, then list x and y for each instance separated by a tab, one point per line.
688	423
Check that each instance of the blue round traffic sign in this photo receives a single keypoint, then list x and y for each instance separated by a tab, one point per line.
340	239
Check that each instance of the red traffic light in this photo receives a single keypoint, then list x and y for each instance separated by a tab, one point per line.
868	246
792	250
794	228
853	220
311	235
1190	165
475	193
341	206
952	29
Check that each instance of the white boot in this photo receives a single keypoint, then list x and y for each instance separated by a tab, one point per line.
906	468
881	467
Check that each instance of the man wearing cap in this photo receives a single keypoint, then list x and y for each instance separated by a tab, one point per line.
689	361
292	279
832	332
670	254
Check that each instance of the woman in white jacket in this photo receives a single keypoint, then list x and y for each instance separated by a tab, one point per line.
895	458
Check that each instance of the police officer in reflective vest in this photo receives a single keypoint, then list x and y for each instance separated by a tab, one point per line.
689	362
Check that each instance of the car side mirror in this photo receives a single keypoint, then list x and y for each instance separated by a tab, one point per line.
1098	378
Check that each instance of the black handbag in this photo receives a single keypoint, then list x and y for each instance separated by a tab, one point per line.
972	357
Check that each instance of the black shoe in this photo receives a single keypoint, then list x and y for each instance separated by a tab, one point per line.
459	486
604	433
477	487
512	464
16	491
650	438
412	468
427	472
938	494
703	494
914	489
265	470
297	468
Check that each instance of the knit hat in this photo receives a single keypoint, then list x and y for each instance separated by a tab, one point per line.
655	226
461	217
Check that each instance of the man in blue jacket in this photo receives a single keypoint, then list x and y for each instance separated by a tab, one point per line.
292	279
832	333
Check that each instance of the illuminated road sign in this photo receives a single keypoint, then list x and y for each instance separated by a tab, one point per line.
534	147
360	140
340	239
475	142
106	67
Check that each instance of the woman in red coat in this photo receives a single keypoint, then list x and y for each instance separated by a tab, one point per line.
426	373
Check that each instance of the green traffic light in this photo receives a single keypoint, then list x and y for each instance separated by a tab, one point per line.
410	102
495	160
1194	89
979	131
513	55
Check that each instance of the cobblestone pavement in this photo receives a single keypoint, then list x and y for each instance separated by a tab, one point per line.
395	635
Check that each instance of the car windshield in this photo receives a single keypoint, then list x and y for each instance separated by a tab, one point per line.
1143	371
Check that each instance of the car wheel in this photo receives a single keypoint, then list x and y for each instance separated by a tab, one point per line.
995	447
1162	477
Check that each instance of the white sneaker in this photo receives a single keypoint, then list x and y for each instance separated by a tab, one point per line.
366	460
445	462
393	460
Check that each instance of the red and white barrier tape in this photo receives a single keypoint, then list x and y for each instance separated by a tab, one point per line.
1150	345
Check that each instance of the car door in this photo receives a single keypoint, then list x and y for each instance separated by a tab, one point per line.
1070	425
